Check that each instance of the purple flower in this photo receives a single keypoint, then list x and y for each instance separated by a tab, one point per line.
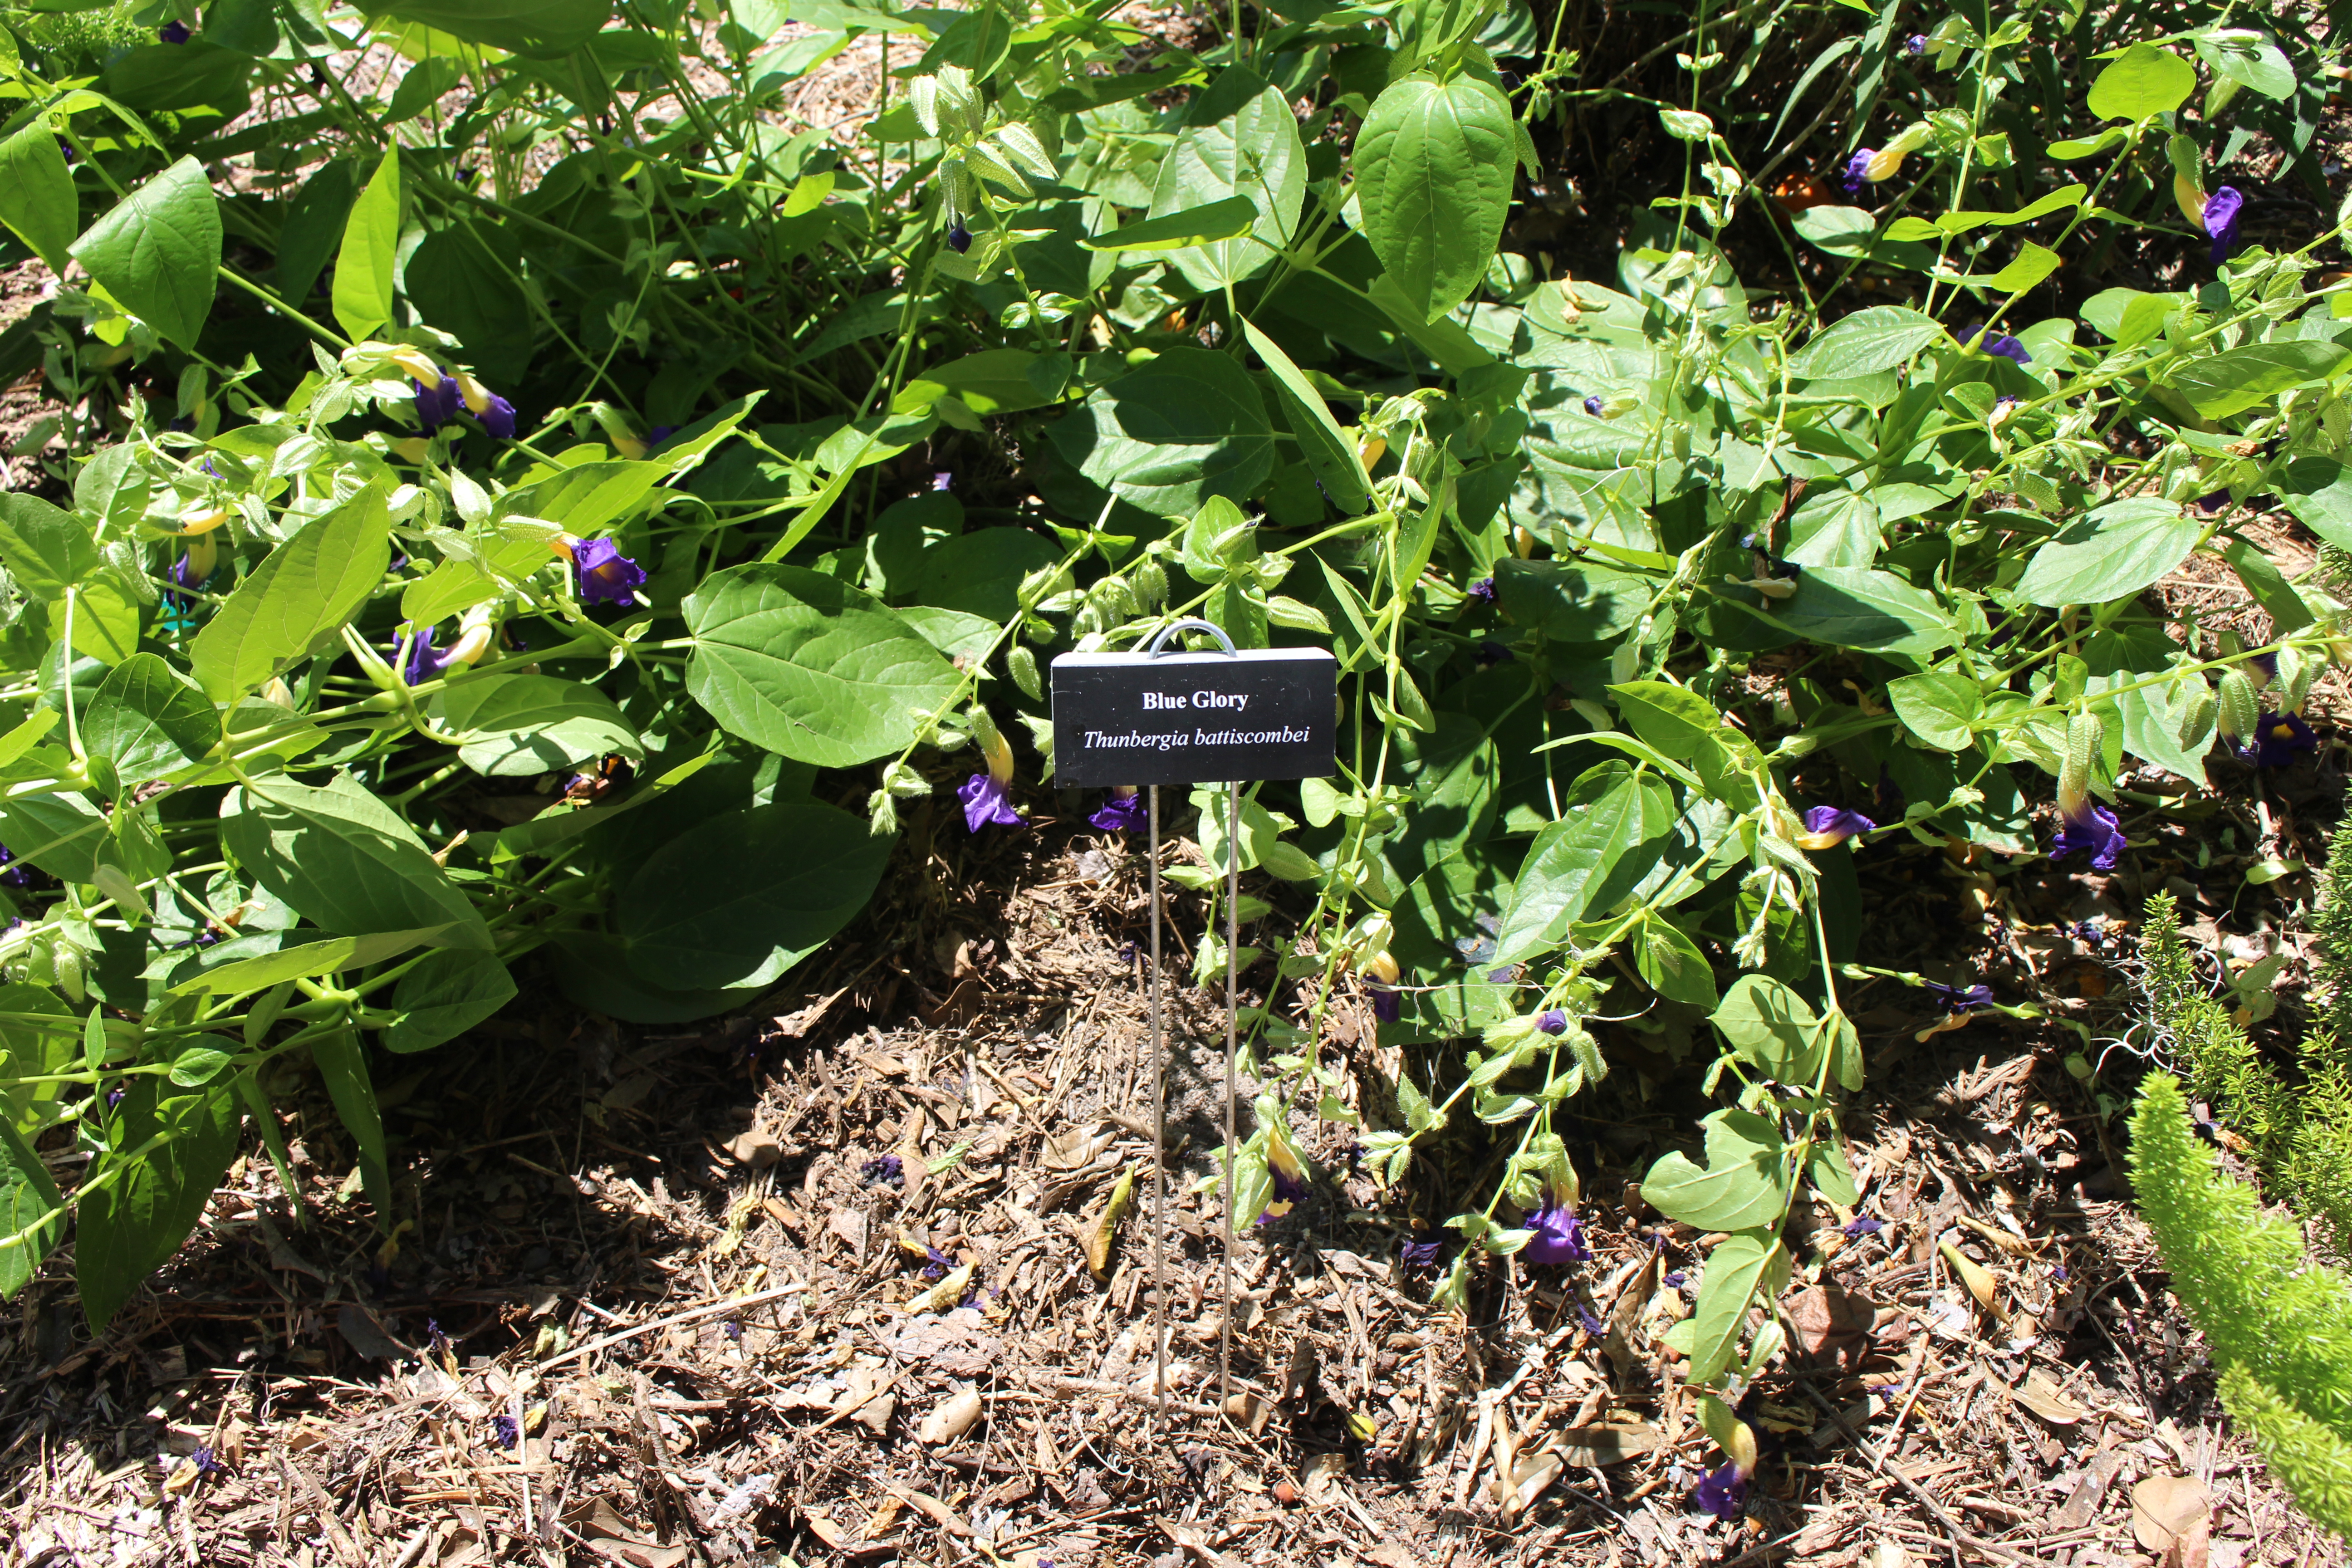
436	405
733	1328
1854	168
2221	211
1420	1254
1482	590
2096	829
937	1268
66	151
505	1431
1722	1492
204	1461
1558	1237
2267	663
885	1170
421	664
1957	999
1856	1229
983	803
114	1098
959	238
1387	1005
605	574
1916	45
1672	1279
1289	1187
2007	347
1489	653
1120	813
1592	405
1552	1021
2213	502
498	418
1887	797
1827	827
2280	738
174	32
942	479
658	433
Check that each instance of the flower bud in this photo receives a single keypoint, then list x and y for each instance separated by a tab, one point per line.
204	521
2197	719
2084	735
1381	966
2296	671
1373	449
418	364
278	693
1022	664
2236	707
1151	580
411	448
203	554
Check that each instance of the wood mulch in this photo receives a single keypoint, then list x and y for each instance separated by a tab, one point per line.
810	1284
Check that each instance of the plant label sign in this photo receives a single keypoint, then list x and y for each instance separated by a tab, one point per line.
1194	718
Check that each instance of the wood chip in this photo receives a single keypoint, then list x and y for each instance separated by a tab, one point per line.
2164	1508
2082	1504
2041	1397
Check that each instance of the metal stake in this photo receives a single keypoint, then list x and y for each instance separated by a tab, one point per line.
1159	1141
1233	1000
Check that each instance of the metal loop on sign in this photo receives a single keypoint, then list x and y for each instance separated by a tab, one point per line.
1189	624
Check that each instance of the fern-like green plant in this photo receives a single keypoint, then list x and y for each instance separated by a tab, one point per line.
2280	1328
2221	1063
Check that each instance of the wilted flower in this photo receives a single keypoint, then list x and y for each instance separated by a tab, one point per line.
174	32
1959	999
605	574
2222	212
1723	1491
2280	738
1124	812
983	803
1826	827
205	1462
1593	405
1856	170
1591	1321
959	238
1559	1236
937	1263
1420	1253
505	1431
1855	1229
1482	590
2092	826
884	1170
1552	1021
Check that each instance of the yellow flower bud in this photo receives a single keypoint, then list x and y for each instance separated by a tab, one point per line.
418	364
410	448
629	446
204	521
562	545
477	396
2191	201
203	554
469	647
278	693
999	751
1373	449
1381	966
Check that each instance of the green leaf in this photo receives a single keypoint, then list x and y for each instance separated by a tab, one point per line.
314	225
1938	707
808	666
1613	826
2318	490
1239	138
731	897
1773	1028
980	572
1228	217
443	996
2110	554
1736	1270
363	266
110	491
1572	601
1328	451
2033	263
1848	606
46	551
342	1066
1836	528
309	959
198	1059
343	858
1434	164
105	619
37	192
521	725
129	1228
1831	1176
2144	79
159	251
1672	964
544	29
1744	1185
1863	343
27	1195
146	721
1185	427
993	381
427	82
465	278
58	832
296	601
2237	379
